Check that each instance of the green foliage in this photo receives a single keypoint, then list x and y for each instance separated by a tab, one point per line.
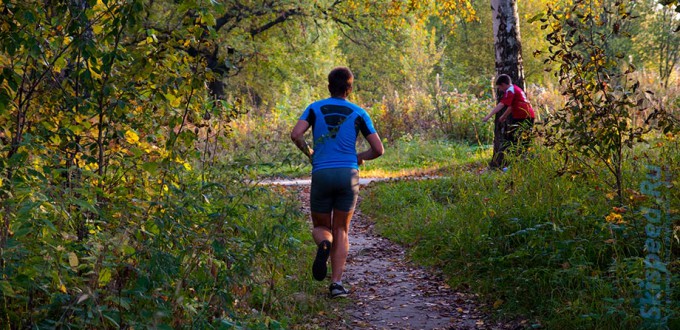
535	243
113	213
202	254
658	43
388	61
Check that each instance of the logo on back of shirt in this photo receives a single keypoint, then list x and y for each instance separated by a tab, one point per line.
334	116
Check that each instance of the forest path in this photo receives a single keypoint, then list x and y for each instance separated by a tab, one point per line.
389	292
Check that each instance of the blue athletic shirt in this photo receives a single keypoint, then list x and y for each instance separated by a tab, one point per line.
336	124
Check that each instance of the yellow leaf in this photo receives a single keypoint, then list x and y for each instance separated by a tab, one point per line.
615	218
104	277
62	288
73	259
498	303
94	73
97	28
91	167
131	137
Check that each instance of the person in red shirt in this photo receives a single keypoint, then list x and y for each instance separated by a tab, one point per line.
518	109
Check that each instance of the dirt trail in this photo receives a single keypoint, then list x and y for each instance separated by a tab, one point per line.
389	292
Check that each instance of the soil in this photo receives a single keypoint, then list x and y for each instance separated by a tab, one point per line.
387	291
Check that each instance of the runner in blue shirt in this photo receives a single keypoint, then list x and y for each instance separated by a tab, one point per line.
336	124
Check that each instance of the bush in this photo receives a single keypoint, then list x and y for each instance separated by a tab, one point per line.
204	255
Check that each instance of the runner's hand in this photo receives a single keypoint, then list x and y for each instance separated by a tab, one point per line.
360	160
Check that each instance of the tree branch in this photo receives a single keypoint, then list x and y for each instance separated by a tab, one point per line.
280	19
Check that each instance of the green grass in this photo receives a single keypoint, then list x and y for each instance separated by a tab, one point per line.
534	243
413	156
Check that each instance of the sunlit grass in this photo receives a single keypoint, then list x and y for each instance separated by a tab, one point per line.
425	157
402	158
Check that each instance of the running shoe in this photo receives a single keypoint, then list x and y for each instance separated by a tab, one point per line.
338	291
319	268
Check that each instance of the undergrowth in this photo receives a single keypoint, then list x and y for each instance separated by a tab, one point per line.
557	248
206	255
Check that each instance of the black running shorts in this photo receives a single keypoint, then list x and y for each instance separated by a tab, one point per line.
334	189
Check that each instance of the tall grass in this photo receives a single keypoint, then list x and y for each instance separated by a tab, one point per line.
535	243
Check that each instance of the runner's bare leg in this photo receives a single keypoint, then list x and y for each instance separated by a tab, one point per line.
322	227
340	247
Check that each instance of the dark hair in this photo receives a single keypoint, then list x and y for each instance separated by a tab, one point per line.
503	79
340	81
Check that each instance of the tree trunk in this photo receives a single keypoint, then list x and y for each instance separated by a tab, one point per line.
508	48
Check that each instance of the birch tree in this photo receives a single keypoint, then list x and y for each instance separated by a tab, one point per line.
508	47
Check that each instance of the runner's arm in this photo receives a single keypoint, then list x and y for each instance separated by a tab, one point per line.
376	150
297	135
